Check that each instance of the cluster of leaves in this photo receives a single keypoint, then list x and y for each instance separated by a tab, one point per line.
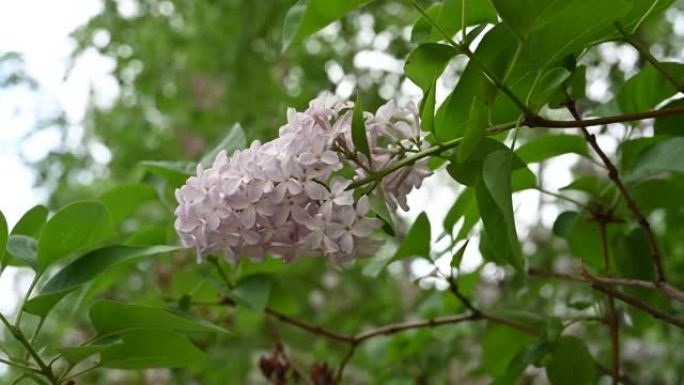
575	299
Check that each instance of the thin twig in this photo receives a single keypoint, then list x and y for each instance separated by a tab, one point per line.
612	319
532	122
18	366
663	288
343	364
653	311
631	203
646	54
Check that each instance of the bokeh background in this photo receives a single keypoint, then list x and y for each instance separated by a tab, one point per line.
89	88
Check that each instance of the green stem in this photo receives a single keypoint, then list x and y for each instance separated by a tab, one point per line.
422	154
214	261
18	366
19	336
646	53
474	59
26	298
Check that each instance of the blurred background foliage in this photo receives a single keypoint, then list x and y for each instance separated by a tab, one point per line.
188	70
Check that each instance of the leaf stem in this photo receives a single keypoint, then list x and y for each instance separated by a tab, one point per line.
19	336
646	53
474	59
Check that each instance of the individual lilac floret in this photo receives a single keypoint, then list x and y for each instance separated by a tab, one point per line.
287	197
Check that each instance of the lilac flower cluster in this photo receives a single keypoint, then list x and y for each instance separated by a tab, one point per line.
287	197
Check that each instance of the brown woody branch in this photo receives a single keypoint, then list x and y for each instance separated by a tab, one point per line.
631	203
663	288
605	285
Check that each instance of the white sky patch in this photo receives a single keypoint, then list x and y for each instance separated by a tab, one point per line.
39	31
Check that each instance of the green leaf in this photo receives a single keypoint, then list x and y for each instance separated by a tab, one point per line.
427	109
76	227
474	129
308	16
642	10
500	345
648	88
525	16
32	222
175	173
664	157
495	51
493	194
359	136
522	360
417	241
470	171
455	15
85	269
22	250
571	363
549	146
379	207
564	223
113	318
123	200
427	62
234	140
76	354
553	29
422	27
458	209
670	125
254	291
458	256
3	237
151	349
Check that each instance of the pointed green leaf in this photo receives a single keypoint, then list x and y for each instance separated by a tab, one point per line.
664	157
234	140
427	110
85	269
648	88
417	241
496	208
549	146
32	222
427	62
571	363
254	291
309	16
23	250
456	15
76	227
458	256
359	136
422	28
123	200
474	129
114	318
151	349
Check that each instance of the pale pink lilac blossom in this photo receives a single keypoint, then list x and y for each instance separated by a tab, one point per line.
287	198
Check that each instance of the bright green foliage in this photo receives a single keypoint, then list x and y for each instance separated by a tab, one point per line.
85	269
493	194
359	136
78	226
254	291
417	240
308	16
648	88
427	62
151	349
22	250
571	363
456	15
549	146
